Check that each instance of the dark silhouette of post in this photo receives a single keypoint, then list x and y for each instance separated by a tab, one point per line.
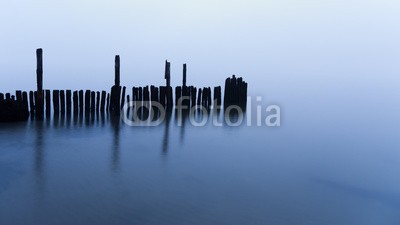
103	101
81	104
115	100
168	73
48	103
75	101
184	76
39	78
56	103
68	100
62	102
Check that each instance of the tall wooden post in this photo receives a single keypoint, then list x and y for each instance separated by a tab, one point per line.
184	76
39	79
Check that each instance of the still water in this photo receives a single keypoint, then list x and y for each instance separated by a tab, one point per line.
311	170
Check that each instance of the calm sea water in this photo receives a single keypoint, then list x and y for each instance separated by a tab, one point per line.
324	165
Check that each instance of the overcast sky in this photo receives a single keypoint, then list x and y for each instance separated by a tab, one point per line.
284	46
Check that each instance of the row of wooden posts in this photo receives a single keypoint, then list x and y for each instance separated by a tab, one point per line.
68	101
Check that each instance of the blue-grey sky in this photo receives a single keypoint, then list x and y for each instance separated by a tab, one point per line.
286	47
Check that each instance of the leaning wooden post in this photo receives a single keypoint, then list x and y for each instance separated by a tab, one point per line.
123	97
39	78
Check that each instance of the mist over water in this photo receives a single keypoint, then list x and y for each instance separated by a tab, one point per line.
331	66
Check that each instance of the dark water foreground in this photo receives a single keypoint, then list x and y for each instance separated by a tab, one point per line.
102	171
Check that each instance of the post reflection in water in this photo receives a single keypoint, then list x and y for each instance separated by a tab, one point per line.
39	157
115	124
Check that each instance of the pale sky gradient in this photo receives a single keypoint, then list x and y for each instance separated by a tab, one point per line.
282	48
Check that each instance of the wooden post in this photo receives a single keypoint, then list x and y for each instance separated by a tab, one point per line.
128	100
81	104
162	96
39	77
92	101
31	103
103	101
108	102
184	76
217	95
178	95
48	103
115	100
69	106
8	96
75	101
24	102
98	101
193	96
168	73
18	95
56	104
199	97
62	102
123	97
87	101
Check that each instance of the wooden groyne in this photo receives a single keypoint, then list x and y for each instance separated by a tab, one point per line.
41	103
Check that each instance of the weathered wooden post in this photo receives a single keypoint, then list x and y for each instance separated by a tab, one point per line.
39	77
69	106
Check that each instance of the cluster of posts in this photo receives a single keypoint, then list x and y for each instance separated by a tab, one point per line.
64	102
